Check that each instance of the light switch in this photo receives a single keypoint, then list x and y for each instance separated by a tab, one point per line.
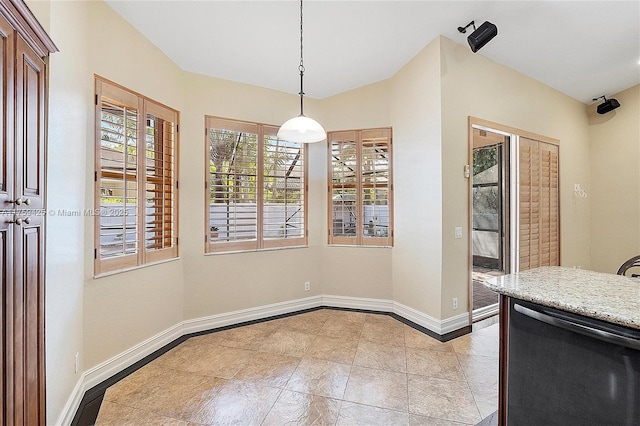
458	232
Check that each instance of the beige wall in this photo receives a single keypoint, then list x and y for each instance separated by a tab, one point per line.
615	186
473	85
415	116
70	127
352	271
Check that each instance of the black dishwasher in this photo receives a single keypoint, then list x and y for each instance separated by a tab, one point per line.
566	369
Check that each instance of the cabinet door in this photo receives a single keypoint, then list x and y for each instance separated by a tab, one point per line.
6	228
30	102
28	284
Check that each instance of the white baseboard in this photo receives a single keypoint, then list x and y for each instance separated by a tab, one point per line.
485	312
244	315
114	365
70	408
364	303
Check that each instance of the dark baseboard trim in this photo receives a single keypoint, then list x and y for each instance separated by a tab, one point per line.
89	406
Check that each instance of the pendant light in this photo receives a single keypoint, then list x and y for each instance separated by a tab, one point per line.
301	128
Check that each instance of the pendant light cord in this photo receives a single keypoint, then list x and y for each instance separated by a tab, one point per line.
301	67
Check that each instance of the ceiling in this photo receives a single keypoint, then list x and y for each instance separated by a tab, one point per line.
581	48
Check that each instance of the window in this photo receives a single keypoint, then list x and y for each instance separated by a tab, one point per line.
256	196
136	184
360	187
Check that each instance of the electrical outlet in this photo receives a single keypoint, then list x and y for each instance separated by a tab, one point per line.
307	286
77	364
454	303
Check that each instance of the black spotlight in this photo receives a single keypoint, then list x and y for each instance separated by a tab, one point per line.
607	105
480	36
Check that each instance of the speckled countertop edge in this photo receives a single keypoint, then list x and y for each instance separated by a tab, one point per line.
608	297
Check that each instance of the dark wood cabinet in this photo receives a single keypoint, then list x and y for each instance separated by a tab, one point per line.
24	47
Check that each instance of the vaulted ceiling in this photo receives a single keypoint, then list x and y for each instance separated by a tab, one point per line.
581	48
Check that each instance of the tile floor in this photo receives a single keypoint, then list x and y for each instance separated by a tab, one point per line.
328	367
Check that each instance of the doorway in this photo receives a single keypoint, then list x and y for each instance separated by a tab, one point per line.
490	229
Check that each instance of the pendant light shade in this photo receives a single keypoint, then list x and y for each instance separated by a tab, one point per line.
301	129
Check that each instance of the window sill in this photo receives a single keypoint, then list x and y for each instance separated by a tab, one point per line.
359	246
134	268
215	253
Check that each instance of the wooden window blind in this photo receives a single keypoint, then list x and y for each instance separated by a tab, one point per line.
135	180
256	190
539	204
360	187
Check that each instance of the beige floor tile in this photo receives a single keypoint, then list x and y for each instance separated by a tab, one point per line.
384	357
350	316
236	403
217	361
442	399
471	344
352	414
416	420
320	367
241	337
295	408
320	377
384	319
479	369
268	369
383	333
417	339
334	349
182	395
286	342
138	385
119	415
379	388
303	324
430	363
338	327
486	397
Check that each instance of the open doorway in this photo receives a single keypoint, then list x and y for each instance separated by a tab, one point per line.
490	230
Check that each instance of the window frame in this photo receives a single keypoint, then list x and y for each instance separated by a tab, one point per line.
261	242
360	137
106	90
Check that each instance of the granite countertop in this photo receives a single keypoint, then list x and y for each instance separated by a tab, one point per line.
608	297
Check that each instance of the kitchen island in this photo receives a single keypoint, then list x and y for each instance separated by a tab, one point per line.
569	347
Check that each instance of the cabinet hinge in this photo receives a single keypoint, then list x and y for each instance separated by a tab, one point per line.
95	176
177	184
177	239
205	131
205	238
96	99
95	253
177	128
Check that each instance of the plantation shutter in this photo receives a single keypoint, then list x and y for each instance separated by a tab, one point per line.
539	231
344	188
376	187
232	162
135	181
284	190
360	188
117	178
160	183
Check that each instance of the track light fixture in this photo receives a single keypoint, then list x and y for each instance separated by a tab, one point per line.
480	36
607	105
